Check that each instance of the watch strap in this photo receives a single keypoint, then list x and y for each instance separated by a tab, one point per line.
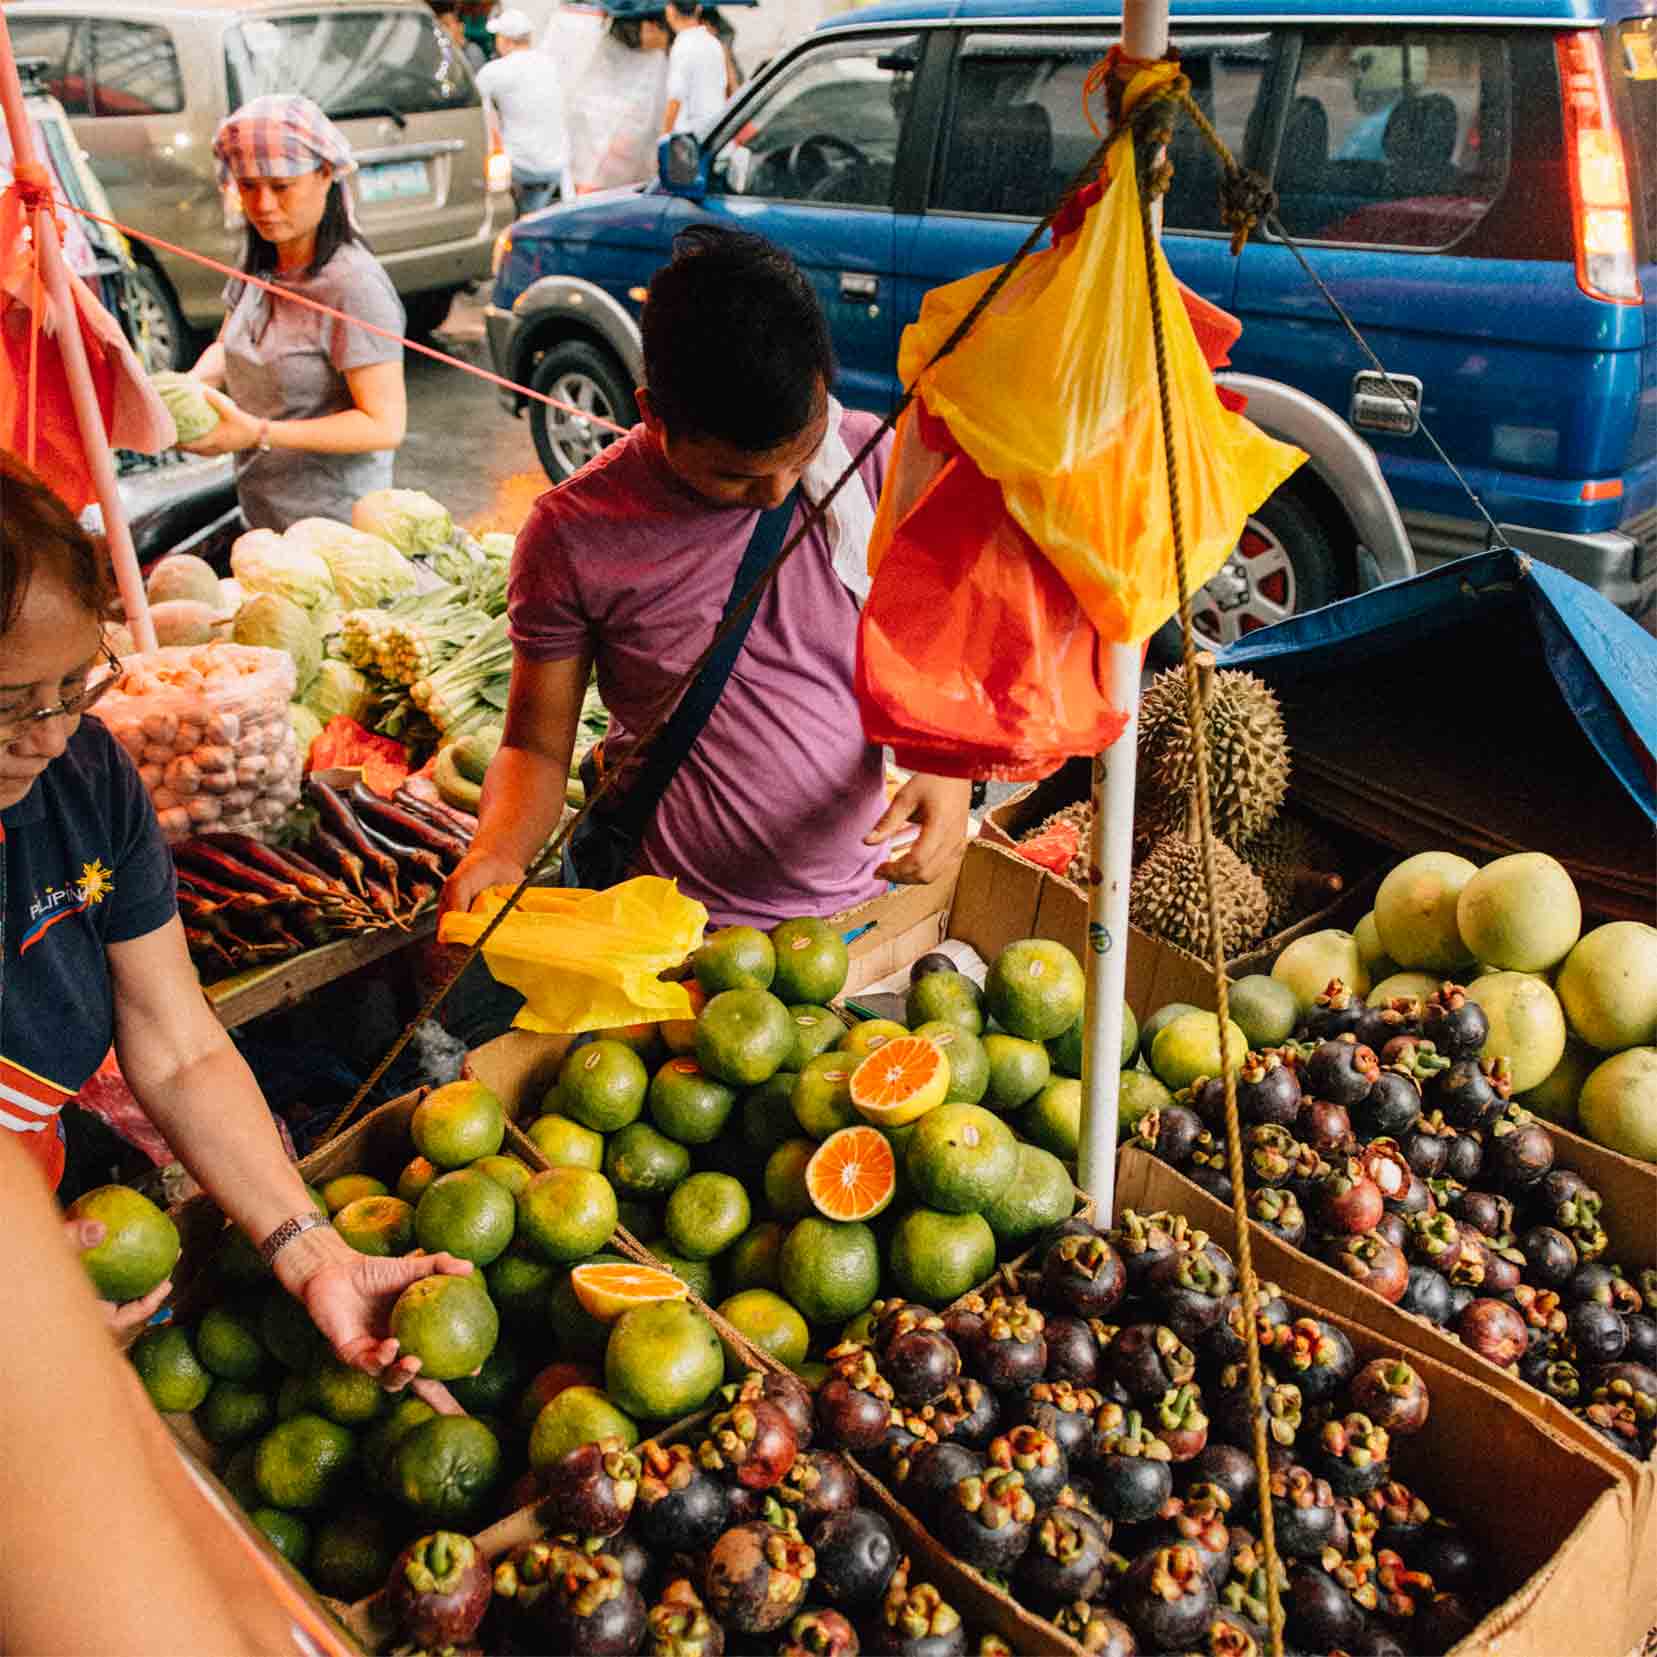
296	1226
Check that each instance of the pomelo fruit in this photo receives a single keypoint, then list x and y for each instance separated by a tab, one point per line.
736	958
608	1288
286	1532
1039	1196
743	1036
602	1086
228	1343
1618	1105
961	1158
830	1270
1554	1098
449	1323
698	1276
1264	1009
140	1246
900	1081
852	1175
663	1361
1190	1047
816	1030
945	997
1527	1025
377	1445
466	1213
232	1412
1415	912
1053	1119
495	1387
519	1284
417	1174
575	1416
768	1118
351	1555
1520	913
566	1214
679	1034
1018	1071
1310	963
811	962
348	1396
1608	986
937	1257
767	1321
1035	989
288	1334
687	1104
1377	963
457	1124
822	1097
1396	986
969	1064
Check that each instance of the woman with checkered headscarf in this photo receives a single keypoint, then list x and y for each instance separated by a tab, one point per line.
312	407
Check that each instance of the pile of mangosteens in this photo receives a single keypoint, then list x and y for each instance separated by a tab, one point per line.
748	1537
1080	1432
1384	1142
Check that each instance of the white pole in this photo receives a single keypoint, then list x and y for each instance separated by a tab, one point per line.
1144	36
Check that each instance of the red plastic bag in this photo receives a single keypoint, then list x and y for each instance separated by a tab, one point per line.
343	742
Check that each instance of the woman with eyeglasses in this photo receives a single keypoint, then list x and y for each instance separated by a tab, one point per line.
92	950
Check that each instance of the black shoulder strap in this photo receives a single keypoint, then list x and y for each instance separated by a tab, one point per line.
646	786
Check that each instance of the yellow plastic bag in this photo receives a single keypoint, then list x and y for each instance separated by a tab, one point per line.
1054	395
588	960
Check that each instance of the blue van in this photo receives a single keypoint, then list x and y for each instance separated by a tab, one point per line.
1478	186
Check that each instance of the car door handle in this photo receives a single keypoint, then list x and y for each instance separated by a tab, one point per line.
853	286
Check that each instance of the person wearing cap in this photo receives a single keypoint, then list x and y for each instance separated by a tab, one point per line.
697	70
617	100
453	25
527	104
312	407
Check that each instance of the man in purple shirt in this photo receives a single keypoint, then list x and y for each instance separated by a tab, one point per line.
780	809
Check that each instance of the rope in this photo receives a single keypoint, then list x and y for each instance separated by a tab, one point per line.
1152	125
813	513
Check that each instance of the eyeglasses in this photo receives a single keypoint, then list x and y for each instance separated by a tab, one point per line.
71	707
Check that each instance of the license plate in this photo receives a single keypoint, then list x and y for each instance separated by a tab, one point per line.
394	181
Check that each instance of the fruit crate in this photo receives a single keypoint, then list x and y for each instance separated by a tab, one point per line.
1146	1184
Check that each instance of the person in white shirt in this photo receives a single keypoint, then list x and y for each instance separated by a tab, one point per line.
526	102
617	98
696	70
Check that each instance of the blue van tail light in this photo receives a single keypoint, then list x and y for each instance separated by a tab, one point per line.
1602	211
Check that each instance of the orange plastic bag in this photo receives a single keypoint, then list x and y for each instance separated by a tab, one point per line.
1053	395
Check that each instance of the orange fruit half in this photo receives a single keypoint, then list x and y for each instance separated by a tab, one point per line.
900	1081
612	1287
852	1175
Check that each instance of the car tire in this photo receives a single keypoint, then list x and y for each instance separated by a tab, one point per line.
424	313
164	339
1284	565
589	377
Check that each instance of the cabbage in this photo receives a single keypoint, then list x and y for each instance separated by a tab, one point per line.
273	621
367	572
306	726
192	414
264	562
183	575
497	545
410	520
338	689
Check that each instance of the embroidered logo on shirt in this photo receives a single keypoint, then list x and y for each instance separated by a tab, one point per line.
58	903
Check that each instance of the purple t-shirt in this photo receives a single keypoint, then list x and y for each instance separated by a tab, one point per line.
766	818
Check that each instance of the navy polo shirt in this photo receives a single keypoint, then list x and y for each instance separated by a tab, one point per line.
82	865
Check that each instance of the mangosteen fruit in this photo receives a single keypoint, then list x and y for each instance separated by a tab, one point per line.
1326	1127
932	1471
967	1413
1464	1158
1227	1340
1599	1332
590	1609
1197	1520
914	1620
1034	1454
1605	1286
818	1485
1371	1262
1618	1425
1010	1349
1280	1404
1143	1240
820	1633
1557	1377
1211	1175
1428	1295
1320	1613
592	1488
1469	1093
1427	1146
1268	1090
1178	1420
1167	1598
934	961
788	1392
1443	1553
1227	1467
1303	1512
1096	1630
1519	1150
1390	1108
1270	1154
751	1444
678	1625
1352	1454
854	1405
1132	1468
1503	1271
1342	1070
856	1554
1279	1211
439	1589
1454	1025
1064	1411
1316	1356
1335	1011
986	1520
1191	1291
1392	1228
1145	1359
1642	1338
1558	1188
1494	1330
1443	1620
1065	1560
1169	1133
757	1577
1473	1261
1434	1240
920	1364
1084	1275
1543	1312
1391	1393
1072	1350
1350	1201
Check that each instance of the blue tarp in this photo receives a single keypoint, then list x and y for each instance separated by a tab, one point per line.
1603	664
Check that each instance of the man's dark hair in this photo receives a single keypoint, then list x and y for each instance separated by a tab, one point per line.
734	340
39	535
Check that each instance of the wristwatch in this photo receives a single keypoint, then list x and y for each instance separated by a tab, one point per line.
285	1233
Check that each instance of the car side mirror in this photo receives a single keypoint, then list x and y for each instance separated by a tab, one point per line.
681	165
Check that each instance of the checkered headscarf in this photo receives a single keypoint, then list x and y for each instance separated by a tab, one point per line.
278	136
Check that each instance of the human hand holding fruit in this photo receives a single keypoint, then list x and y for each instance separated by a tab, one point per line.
236	431
127	1319
939	807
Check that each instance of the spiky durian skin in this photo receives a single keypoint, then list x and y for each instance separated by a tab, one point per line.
1167	898
1277	854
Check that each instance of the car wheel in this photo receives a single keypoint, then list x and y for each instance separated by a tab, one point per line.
586	377
163	338
1283	565
424	313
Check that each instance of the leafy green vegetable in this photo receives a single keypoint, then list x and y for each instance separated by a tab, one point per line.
409	519
192	414
277	623
338	689
366	570
306	726
265	562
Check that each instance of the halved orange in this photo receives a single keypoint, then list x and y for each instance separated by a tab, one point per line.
900	1081
852	1175
611	1287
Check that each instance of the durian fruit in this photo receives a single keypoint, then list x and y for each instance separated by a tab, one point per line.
1248	754
1300	868
1081	814
1168	899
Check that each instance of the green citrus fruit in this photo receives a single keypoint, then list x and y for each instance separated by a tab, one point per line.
237	1264
1264	1009
379	1443
227	1341
446	1469
1018	1069
1035	989
602	1085
945	998
937	1257
811	961
1555	1097
767	1321
351	1555
457	1124
519	1284
1527	1024
565	1143
1039	1196
830	1270
1618	1107
1608	987
415	1177
642	1162
816	1030
339	1193
303	1463
663	1360
345	1395
232	1412
687	1104
377	1225
1189	1047
822	1095
1139	1092
969	1063
449	1323
785	1189
743	1036
288	1334
510	1171
862	1039
167	1365
640	1218
565	1214
577	1416
466	1214
578	1334
1053	1119
1415	914
751	1262
492	1390
699	1274
286	1532
1163	1016
767	1116
293	1396
706	1214
237	1478
961	1158
735	958
140	1246
644	1039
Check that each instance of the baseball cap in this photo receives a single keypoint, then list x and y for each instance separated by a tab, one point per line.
512	23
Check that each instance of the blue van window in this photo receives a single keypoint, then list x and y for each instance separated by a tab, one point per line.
1396	140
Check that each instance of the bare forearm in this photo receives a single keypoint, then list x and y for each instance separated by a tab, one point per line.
209	367
523	800
350	432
